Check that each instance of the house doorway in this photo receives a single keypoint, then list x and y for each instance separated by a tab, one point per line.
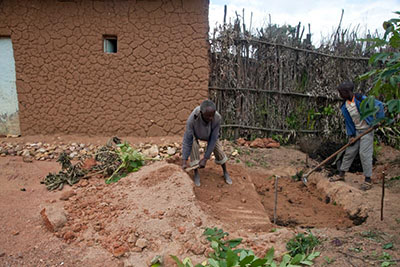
9	118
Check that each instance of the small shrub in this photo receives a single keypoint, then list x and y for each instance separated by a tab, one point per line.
302	244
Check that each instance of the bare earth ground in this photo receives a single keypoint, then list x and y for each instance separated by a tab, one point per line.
158	211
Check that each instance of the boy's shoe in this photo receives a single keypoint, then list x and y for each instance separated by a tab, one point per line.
336	178
366	186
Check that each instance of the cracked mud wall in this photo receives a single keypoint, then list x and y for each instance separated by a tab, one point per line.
67	84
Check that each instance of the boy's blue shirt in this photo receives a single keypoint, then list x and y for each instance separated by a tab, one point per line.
350	127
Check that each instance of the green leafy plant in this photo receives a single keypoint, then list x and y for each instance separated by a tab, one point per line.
312	118
302	244
388	246
385	73
377	148
249	163
328	260
292	121
328	110
226	254
387	259
280	138
131	161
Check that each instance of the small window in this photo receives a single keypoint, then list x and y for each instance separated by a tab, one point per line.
110	44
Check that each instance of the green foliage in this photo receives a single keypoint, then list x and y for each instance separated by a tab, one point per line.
329	260
377	149
302	244
131	161
226	254
280	138
249	163
385	72
297	177
388	246
292	121
387	259
312	118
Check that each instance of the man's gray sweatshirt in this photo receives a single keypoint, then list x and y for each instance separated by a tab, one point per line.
197	128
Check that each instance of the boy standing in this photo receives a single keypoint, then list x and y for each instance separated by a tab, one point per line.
354	127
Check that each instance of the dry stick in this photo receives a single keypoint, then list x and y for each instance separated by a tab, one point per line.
362	259
276	197
383	193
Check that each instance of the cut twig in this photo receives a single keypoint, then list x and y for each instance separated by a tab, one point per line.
276	197
383	193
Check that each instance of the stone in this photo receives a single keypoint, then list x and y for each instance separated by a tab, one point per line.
241	141
27	159
198	222
26	153
69	235
235	153
197	249
257	143
42	150
120	251
273	145
67	194
151	152
53	217
181	229
171	151
2	254
141	243
73	154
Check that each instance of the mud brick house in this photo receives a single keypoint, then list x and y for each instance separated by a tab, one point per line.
101	67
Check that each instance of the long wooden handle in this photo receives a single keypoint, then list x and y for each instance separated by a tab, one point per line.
340	150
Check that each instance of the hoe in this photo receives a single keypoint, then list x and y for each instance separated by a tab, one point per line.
304	178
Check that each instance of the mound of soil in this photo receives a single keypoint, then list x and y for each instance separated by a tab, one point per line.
151	212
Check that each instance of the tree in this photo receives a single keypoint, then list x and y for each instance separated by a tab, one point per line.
385	73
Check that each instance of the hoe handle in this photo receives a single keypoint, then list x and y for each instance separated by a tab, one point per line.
340	150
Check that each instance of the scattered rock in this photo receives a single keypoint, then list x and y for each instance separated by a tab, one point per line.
69	235
198	222
151	152
241	141
257	143
171	151
141	243
197	249
120	251
54	218
2	254
181	229
67	194
15	233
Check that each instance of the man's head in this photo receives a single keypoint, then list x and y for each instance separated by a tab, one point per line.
345	90
207	109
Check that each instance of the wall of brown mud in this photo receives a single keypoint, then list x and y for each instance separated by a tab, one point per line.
67	84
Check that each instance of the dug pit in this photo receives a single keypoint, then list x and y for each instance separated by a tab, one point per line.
249	202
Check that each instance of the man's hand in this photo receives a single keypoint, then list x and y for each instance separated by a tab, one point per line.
184	164
351	140
203	163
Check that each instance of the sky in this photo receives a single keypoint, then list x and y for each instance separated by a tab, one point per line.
323	15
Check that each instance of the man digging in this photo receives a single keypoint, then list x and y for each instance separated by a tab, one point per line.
203	124
354	127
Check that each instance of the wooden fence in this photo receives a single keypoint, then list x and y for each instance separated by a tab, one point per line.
264	88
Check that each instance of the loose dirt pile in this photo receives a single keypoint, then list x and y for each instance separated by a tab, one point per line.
151	212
